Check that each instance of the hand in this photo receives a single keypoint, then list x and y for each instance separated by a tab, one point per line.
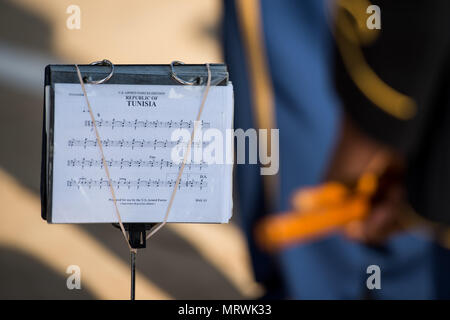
385	216
355	154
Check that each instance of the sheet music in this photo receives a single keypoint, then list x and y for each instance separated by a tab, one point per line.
135	123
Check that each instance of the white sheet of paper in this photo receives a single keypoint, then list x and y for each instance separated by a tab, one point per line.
135	123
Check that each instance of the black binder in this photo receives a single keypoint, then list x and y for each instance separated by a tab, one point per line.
123	74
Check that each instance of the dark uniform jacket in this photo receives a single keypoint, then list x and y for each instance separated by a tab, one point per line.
394	83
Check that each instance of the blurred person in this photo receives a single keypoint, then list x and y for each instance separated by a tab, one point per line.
283	51
393	83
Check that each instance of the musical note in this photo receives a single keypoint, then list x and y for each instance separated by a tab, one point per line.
187	183
146	124
140	154
134	143
131	163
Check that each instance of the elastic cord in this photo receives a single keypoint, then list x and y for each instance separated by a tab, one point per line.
188	150
105	165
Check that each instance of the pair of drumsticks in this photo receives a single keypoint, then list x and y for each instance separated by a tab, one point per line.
317	211
322	209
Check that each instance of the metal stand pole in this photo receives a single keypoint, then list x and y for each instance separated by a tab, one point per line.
133	274
137	237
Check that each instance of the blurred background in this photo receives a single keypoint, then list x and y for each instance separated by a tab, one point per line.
182	261
355	100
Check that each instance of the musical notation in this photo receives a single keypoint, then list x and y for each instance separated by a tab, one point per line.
114	123
140	153
189	183
134	143
130	163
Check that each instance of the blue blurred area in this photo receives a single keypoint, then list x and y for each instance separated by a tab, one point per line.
299	48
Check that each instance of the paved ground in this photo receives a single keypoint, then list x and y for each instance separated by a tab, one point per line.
194	261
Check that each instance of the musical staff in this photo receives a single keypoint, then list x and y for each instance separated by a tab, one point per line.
189	183
114	123
131	163
134	143
143	150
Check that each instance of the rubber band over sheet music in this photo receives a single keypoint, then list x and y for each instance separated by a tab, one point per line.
180	173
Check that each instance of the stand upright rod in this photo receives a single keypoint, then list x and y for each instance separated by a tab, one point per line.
133	274
137	236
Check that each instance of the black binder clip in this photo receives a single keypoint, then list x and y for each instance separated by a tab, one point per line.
137	233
